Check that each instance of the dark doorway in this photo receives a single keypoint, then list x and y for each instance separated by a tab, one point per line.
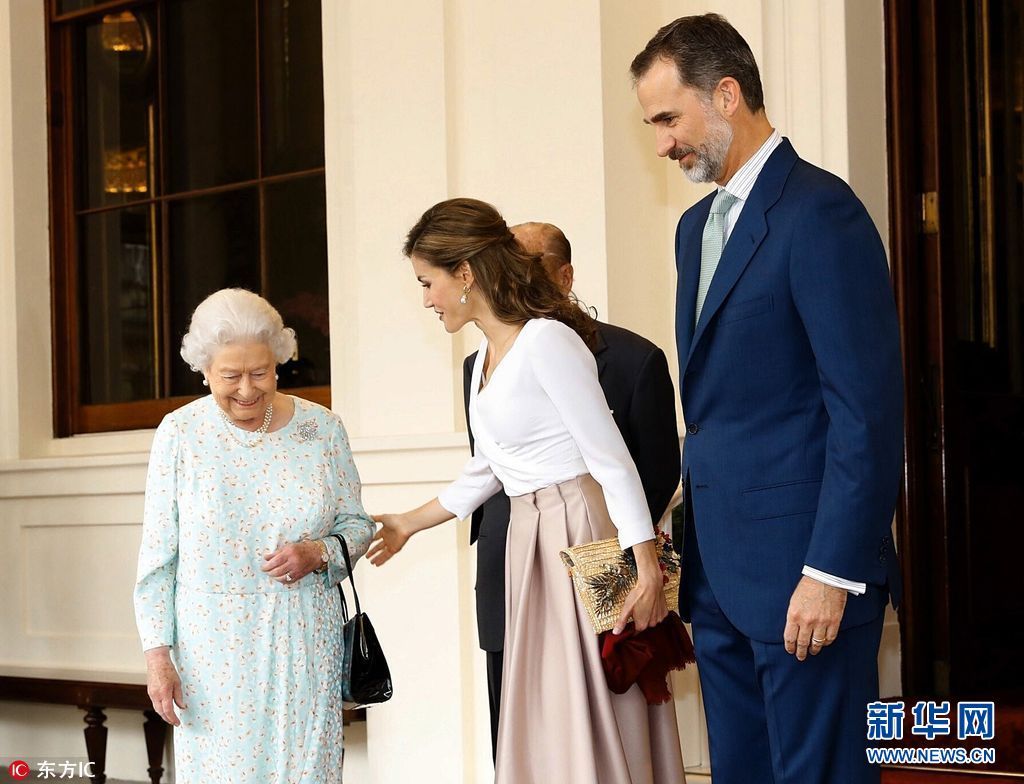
956	146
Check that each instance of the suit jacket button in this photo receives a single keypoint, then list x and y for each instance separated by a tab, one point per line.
692	428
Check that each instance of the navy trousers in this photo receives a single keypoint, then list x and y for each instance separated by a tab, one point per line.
773	719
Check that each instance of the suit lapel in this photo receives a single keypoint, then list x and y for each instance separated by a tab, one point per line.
688	261
746	236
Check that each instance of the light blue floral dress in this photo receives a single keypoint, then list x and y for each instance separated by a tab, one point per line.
259	660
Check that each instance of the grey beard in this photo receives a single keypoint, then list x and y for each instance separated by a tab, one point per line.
711	155
705	169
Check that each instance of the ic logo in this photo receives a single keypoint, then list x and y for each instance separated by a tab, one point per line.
19	770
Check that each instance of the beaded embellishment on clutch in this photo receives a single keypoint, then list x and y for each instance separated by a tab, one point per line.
604	575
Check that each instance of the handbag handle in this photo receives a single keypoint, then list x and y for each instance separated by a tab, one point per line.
348	567
355	594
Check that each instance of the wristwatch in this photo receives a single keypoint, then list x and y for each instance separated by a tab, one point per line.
325	556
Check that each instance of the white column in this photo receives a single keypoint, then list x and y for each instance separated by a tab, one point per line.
25	403
638	207
8	315
525	119
392	380
385	136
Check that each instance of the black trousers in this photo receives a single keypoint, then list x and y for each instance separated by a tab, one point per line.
494	664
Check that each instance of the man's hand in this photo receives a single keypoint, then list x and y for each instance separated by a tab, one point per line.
815	612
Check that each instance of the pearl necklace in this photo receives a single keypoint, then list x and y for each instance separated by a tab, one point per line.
262	431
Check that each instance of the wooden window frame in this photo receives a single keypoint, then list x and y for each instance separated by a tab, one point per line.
70	415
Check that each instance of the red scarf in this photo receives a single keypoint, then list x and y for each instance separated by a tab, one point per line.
646	657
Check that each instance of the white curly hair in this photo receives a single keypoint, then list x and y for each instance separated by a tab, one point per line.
234	316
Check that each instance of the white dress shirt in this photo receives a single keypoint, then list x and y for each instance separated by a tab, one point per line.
543	419
742	182
740	185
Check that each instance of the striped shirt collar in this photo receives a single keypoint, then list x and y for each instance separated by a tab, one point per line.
742	182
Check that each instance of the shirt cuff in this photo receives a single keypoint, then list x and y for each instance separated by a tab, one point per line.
635	534
857	589
154	640
449	500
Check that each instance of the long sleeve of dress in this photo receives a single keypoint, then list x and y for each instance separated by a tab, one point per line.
158	555
567	372
475	485
350	519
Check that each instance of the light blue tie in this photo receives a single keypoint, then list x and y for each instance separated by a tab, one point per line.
711	246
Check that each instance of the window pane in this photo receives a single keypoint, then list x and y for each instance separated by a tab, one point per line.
116	111
210	89
214	243
296	230
117	337
293	86
65	6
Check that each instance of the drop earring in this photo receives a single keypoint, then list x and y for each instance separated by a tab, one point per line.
465	295
276	377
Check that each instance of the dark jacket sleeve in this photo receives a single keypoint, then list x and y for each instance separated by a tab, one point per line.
655	439
467	380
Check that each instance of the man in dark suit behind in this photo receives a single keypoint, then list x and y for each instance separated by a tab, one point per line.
634	376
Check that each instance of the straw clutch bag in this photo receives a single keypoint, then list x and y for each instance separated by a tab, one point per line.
604	574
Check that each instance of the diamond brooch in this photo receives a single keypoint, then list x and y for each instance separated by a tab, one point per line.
307	430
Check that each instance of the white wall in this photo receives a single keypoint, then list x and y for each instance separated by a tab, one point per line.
528	106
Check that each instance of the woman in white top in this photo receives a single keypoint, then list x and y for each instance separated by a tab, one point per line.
543	433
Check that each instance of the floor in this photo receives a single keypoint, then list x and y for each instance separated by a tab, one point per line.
5	778
912	777
945	777
888	777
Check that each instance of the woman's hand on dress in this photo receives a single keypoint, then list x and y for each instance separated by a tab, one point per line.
291	562
646	602
391	537
163	684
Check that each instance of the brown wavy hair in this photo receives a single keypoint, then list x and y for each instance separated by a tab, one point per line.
513	281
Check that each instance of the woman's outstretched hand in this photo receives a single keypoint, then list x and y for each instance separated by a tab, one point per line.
391	537
646	602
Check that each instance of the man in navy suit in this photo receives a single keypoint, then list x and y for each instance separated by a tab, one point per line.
634	375
792	390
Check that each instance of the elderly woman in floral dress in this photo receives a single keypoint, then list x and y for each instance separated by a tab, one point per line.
235	598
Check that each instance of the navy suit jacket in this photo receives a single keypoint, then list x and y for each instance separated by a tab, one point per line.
792	390
634	375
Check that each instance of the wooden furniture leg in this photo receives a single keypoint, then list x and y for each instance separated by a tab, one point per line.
96	742
156	737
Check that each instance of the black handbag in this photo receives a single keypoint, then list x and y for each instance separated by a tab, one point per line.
365	677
